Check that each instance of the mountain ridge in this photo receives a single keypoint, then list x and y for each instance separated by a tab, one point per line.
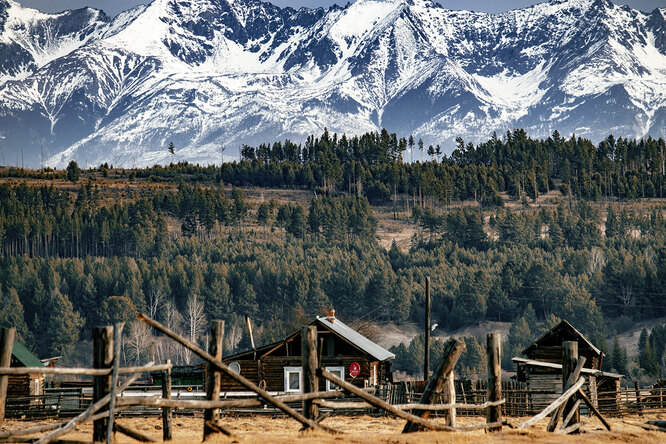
219	73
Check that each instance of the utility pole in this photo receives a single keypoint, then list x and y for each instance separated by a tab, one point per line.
426	360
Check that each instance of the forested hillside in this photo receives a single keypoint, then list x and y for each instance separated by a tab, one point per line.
186	244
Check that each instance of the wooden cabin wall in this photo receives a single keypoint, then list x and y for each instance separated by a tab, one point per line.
271	370
554	354
544	379
24	385
249	370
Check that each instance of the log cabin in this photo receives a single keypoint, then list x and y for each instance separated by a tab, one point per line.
24	385
277	367
542	369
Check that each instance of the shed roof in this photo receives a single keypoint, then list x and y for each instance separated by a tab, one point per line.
24	356
562	328
558	367
357	339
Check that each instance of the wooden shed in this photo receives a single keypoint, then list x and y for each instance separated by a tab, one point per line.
278	366
542	369
548	348
24	385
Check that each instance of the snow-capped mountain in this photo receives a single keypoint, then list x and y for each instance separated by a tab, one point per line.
208	74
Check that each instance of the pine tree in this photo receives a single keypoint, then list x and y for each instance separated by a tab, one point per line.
73	171
61	328
12	315
643	345
619	357
172	150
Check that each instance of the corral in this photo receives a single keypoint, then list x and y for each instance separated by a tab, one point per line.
435	410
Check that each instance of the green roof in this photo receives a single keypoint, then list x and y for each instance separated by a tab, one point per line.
24	356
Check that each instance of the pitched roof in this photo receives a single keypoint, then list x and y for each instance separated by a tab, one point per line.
552	333
24	356
357	339
338	327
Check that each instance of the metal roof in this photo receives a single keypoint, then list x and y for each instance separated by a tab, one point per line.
24	356
357	339
338	327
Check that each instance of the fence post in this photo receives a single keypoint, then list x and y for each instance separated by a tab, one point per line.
310	364
440	382
102	358
450	397
569	361
639	407
494	352
6	345
213	376
166	411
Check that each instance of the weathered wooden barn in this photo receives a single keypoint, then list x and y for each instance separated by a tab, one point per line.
24	385
542	369
278	366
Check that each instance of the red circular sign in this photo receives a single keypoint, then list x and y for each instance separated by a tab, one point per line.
354	369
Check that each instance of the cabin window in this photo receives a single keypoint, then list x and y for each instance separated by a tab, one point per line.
373	377
293	379
337	371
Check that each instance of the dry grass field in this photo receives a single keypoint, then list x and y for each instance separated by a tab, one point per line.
366	429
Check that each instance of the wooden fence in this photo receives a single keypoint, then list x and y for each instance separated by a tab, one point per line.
439	396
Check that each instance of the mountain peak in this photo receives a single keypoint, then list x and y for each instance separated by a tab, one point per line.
229	72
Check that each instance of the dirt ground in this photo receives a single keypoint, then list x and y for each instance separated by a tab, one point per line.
365	429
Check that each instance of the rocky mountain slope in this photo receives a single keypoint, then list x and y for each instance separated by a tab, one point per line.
208	74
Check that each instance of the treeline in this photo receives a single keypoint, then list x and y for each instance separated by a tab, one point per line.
47	222
512	268
376	165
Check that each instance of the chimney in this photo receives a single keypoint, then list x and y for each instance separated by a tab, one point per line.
330	315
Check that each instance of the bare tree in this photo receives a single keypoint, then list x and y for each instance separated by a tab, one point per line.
627	297
195	320
173	320
233	335
597	260
155	301
139	342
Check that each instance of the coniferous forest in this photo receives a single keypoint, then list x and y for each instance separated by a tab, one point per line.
513	229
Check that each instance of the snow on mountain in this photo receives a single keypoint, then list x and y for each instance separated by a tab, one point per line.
30	39
211	73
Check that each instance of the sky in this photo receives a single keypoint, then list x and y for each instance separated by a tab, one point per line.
114	7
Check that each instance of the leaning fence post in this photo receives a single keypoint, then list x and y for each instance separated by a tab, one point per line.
310	380
102	358
439	382
213	376
494	352
6	344
166	411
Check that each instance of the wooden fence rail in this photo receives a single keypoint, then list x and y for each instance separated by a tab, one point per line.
81	371
443	394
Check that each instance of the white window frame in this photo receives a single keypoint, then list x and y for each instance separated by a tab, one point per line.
331	386
289	370
373	377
